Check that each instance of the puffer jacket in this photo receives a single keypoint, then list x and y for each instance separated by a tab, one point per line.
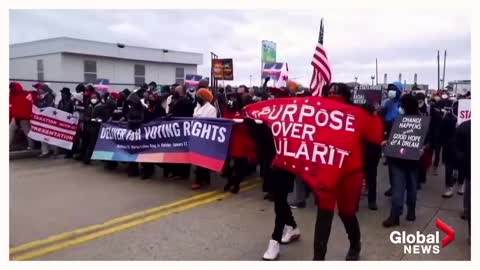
136	111
20	103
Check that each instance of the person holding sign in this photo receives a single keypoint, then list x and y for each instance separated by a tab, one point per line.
403	151
390	111
204	109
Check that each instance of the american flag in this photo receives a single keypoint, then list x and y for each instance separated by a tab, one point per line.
322	74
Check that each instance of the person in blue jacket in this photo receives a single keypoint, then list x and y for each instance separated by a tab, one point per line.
390	111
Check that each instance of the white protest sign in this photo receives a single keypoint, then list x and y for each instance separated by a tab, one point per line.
464	110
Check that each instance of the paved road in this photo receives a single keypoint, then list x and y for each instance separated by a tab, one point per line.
53	196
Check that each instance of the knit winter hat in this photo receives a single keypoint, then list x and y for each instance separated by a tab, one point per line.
205	94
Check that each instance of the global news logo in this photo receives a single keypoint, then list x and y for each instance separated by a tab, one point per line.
419	243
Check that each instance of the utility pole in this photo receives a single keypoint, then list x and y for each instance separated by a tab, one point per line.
373	78
400	77
438	70
444	64
376	70
214	81
356	79
250	80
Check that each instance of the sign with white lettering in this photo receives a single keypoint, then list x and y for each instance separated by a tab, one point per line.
407	137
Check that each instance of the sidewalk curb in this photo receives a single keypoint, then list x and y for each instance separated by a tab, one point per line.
23	154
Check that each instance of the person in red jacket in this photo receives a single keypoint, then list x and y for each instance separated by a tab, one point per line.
349	185
20	111
242	149
321	141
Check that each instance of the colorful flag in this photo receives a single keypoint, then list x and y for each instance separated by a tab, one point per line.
53	126
192	79
283	79
322	74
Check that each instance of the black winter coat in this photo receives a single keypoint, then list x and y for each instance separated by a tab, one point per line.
182	107
47	101
66	105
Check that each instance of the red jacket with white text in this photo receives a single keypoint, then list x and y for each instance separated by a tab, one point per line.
320	141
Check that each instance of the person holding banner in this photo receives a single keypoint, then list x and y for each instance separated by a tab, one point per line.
96	114
66	105
20	112
180	106
242	148
204	109
46	99
153	111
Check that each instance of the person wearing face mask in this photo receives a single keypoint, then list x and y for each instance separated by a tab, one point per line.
242	148
405	173
426	158
390	110
153	111
45	99
204	109
94	101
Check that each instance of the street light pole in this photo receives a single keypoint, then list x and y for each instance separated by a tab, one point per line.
373	78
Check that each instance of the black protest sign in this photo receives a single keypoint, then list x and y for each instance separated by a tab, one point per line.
367	97
407	137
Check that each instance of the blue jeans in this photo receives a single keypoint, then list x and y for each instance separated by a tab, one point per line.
403	179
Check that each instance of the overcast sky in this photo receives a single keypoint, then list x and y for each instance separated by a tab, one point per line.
403	40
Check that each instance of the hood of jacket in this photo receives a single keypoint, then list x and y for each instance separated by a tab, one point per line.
398	88
17	88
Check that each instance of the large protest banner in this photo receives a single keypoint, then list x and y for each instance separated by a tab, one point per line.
464	111
222	69
407	137
53	126
199	141
315	138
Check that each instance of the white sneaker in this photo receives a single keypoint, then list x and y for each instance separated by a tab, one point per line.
272	252
448	193
290	234
461	189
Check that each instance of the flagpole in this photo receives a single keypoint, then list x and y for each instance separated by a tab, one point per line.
319	36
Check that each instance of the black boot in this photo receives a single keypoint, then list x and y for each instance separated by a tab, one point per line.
235	189
353	231
353	253
320	250
372	206
411	215
391	221
323	226
388	193
227	187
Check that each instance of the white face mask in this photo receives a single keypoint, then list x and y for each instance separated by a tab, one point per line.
444	96
392	93
401	110
420	104
94	101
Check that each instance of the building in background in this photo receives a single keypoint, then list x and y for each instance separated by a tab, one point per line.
67	61
459	86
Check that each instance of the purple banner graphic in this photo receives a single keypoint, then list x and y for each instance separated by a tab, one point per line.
198	141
